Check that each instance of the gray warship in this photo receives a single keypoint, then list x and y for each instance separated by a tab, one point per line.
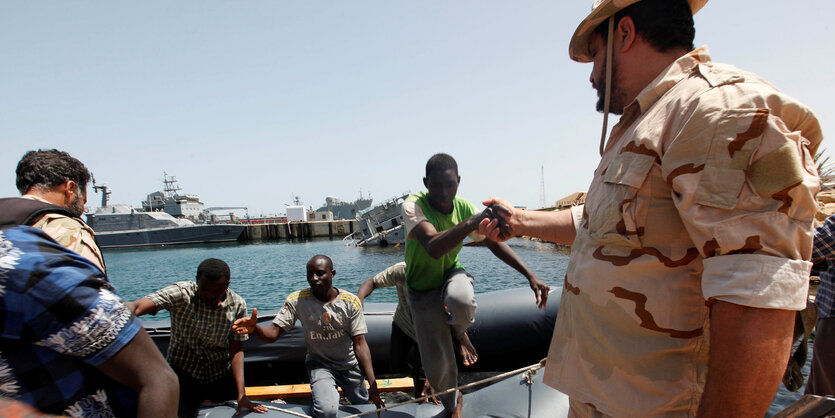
166	218
345	210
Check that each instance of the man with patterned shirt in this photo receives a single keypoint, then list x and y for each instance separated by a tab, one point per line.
54	189
822	371
70	345
204	351
334	331
691	253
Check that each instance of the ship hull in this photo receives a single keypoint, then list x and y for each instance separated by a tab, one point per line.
194	234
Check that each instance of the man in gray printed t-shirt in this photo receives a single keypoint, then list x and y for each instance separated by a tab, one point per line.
328	326
334	330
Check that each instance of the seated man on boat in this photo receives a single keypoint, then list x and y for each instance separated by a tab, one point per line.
334	330
403	347
441	295
53	186
204	351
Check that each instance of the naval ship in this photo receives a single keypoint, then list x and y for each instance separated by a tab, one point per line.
345	210
166	218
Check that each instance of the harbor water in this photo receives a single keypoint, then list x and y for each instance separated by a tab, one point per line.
265	273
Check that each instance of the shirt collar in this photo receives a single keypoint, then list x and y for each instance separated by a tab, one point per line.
226	301
38	198
672	75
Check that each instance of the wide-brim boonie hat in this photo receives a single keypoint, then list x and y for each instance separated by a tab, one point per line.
578	48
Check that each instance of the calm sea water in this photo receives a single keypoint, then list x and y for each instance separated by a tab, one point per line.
265	273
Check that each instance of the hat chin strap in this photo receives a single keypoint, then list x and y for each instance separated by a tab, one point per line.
607	95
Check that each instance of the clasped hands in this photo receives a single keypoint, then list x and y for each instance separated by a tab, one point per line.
494	222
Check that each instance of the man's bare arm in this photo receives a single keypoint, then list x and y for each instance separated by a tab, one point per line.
553	226
140	366
437	243
365	289
142	306
363	354
506	254
236	356
749	350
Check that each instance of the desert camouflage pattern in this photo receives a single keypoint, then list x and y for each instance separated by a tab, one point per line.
73	234
706	191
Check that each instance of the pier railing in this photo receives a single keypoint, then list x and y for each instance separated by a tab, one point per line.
291	230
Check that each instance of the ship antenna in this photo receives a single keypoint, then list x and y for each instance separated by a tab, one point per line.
105	191
170	186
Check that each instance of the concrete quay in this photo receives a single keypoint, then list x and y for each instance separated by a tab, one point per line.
290	230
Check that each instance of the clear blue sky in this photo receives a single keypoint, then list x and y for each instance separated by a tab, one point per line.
250	103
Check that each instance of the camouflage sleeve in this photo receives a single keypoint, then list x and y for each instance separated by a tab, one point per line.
744	185
577	215
72	234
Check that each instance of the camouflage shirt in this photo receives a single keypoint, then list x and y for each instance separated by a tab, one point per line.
706	190
72	233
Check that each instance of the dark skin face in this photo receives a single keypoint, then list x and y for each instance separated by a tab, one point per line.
320	274
212	292
442	186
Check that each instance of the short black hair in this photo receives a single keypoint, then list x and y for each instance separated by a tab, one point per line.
322	256
441	161
49	168
665	24
213	269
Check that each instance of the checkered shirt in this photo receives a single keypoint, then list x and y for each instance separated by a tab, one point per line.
59	320
200	334
825	247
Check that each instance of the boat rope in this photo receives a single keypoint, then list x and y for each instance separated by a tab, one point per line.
529	372
287	411
234	404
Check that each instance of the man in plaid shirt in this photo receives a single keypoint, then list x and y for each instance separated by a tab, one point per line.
204	351
822	373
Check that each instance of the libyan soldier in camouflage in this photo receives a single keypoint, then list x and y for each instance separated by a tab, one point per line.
691	254
53	186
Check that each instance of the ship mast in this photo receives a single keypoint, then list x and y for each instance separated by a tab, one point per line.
170	187
105	191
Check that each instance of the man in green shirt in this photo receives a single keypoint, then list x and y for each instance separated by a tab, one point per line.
441	294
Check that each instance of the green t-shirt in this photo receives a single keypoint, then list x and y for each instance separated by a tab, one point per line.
422	271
